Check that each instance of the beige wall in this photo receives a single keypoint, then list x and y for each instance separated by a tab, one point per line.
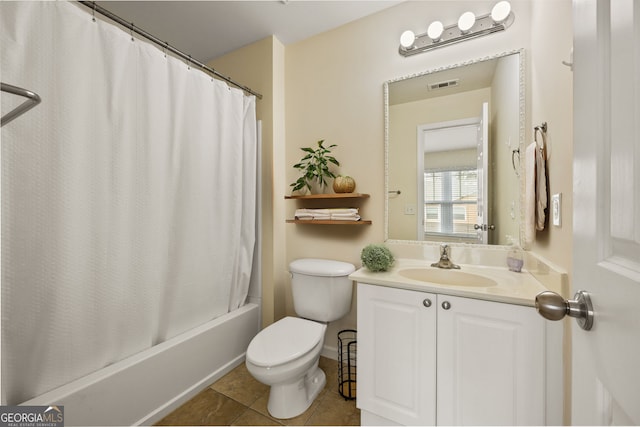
334	91
552	102
333	85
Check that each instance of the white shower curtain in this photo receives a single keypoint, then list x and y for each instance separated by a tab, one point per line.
128	197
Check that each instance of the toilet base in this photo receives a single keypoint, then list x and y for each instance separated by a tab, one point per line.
292	399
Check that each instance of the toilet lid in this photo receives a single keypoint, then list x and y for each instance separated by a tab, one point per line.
321	267
285	340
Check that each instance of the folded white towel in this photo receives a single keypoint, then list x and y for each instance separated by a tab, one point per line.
316	218
306	215
345	218
336	214
328	211
328	218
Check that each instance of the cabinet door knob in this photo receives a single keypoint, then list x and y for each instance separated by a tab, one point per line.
446	305
426	302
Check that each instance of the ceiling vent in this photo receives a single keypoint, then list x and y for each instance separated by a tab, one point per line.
443	85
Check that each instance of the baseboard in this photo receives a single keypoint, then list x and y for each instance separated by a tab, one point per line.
329	352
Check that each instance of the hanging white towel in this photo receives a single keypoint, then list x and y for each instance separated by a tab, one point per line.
530	194
541	188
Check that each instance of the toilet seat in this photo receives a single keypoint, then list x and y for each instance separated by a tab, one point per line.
284	341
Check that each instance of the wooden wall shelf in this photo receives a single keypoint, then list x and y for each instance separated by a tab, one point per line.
329	196
328	222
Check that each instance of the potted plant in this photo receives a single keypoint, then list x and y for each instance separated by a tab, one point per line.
377	257
315	167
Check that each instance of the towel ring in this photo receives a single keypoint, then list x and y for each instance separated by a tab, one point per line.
515	154
542	129
543	146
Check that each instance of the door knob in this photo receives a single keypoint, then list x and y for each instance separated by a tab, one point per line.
552	306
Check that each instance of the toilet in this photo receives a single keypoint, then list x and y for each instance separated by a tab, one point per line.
285	354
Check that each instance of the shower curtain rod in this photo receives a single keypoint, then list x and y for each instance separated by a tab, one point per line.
96	8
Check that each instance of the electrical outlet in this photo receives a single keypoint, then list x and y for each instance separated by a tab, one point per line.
556	209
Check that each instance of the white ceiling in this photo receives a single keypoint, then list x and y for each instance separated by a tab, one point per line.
208	29
470	77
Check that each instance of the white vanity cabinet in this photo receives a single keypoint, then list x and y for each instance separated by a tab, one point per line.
433	359
396	366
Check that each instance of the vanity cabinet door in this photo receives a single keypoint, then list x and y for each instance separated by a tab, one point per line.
490	363
397	354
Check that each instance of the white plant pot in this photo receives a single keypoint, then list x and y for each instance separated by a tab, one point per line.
318	188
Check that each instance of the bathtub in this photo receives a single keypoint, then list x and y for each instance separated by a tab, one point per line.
143	388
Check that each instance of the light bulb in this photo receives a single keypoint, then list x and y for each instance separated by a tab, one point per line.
501	11
407	39
435	30
466	22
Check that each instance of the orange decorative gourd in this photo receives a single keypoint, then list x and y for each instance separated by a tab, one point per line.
344	184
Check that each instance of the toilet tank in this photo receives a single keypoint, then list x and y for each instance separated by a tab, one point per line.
321	288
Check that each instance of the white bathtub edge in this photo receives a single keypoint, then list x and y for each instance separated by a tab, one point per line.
147	386
166	409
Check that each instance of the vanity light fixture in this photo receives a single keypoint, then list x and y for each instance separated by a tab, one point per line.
466	22
501	11
435	31
407	40
468	27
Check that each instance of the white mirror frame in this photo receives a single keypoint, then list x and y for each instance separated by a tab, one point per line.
521	144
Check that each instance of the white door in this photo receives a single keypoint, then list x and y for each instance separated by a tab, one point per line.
606	220
483	175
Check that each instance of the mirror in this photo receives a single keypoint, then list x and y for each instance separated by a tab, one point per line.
452	142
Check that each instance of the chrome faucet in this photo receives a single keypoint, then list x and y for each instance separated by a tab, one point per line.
445	261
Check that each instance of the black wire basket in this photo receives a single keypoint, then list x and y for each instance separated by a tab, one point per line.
347	349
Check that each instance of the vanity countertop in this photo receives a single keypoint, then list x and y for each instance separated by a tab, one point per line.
512	288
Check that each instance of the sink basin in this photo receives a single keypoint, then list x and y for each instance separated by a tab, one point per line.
448	277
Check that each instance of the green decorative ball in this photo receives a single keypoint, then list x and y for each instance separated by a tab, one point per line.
377	257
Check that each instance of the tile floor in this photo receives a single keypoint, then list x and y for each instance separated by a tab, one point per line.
238	399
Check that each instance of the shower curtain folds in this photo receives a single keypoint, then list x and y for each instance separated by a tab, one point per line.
128	197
